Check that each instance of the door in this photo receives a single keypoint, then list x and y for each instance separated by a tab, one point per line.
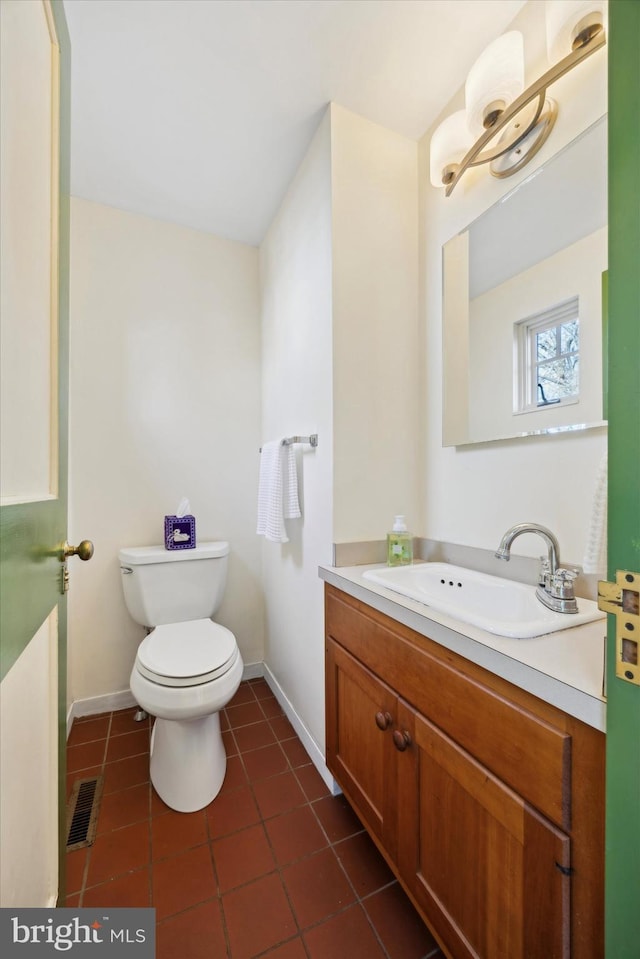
622	851
490	872
35	63
360	754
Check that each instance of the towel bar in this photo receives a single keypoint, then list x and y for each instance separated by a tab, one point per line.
290	440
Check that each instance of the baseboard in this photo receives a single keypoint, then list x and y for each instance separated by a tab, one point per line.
307	740
253	671
99	704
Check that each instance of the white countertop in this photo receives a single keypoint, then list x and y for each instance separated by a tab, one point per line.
565	668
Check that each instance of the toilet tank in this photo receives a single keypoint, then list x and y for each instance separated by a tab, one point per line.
173	586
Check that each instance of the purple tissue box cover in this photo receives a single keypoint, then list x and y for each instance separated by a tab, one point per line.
180	532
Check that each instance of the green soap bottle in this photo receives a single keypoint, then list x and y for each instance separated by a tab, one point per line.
399	544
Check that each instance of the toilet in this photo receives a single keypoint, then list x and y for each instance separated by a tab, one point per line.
186	669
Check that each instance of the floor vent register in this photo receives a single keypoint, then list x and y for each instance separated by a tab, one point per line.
82	812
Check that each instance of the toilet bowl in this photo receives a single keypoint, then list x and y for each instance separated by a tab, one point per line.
184	671
183	674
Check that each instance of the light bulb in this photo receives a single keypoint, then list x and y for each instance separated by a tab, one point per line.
494	81
566	18
449	144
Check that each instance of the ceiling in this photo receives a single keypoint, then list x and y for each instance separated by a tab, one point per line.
200	111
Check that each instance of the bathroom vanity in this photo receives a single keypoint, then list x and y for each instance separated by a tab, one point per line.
482	785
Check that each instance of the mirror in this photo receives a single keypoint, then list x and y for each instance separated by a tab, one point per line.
522	304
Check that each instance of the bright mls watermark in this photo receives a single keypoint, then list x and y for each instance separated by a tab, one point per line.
80	933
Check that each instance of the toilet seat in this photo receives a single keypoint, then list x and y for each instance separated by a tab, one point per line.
187	654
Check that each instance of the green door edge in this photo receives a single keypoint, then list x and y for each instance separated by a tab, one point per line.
622	831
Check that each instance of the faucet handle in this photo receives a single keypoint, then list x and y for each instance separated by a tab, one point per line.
544	571
562	582
570	568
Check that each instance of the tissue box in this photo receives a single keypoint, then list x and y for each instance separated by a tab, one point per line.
180	532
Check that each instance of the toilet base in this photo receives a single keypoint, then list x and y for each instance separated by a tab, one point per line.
188	761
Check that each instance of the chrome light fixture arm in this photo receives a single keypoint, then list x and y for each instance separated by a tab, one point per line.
476	157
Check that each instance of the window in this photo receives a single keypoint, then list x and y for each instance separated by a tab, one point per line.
547	358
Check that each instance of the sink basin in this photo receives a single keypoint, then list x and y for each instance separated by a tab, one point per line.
497	605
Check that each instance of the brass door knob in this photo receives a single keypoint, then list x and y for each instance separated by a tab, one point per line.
84	550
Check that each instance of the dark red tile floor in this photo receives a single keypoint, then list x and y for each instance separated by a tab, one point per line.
275	867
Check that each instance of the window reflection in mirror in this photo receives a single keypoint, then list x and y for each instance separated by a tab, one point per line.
522	304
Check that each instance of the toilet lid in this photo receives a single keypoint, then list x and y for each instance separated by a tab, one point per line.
187	654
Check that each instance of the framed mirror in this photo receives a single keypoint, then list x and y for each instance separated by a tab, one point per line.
523	304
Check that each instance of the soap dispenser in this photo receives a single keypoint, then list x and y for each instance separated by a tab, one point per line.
399	544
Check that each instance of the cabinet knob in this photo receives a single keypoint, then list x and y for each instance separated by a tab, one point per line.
383	720
401	739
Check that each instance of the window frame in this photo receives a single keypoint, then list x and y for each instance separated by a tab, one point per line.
525	362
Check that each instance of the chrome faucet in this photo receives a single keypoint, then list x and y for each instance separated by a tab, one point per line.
555	582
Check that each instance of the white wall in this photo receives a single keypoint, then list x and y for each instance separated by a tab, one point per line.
295	274
474	493
340	329
164	403
376	355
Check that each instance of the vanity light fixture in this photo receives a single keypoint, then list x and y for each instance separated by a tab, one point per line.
510	124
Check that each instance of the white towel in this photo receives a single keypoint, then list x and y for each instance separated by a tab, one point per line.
277	491
595	559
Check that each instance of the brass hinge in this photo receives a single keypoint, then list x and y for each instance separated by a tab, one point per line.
622	599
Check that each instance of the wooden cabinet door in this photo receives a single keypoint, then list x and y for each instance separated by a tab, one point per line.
490	873
361	714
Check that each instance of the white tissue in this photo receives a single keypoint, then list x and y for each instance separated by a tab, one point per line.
184	508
